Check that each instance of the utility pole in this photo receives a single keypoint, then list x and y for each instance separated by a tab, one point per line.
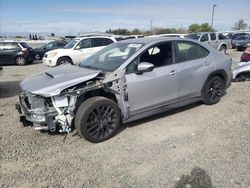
212	21
151	26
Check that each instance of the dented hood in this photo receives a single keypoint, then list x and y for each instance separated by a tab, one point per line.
52	81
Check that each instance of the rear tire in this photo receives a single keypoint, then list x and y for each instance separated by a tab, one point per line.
97	119
213	90
223	49
64	61
20	60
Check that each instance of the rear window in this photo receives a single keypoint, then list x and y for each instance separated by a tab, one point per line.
188	51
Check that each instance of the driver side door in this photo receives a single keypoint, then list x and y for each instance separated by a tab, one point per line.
154	89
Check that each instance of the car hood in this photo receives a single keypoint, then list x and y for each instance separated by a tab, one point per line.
52	81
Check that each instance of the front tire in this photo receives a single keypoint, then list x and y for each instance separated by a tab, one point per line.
64	61
20	60
213	90
97	119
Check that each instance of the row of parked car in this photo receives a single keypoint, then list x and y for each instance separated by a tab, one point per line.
75	51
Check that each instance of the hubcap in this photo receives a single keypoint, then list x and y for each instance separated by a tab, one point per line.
20	61
101	122
64	62
215	90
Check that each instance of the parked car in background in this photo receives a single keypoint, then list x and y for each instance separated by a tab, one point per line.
125	81
19	53
77	50
238	39
133	36
217	40
1	71
171	35
241	46
242	73
245	57
39	52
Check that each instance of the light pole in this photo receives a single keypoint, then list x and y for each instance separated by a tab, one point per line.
151	26
212	21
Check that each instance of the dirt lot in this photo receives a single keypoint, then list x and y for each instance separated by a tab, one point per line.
199	145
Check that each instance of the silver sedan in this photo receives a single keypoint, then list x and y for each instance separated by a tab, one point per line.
125	81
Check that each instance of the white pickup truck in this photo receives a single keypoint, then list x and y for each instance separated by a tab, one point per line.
216	40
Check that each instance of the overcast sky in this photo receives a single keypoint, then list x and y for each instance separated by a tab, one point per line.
71	17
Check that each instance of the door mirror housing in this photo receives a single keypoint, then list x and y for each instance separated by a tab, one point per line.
144	67
77	47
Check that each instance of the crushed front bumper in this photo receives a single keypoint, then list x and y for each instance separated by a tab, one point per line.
41	117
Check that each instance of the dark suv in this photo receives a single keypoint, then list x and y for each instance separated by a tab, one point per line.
39	52
19	53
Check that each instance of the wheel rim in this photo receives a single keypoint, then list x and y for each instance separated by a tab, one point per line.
64	62
37	56
215	90
101	122
20	61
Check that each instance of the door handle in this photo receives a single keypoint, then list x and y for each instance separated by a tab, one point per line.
173	72
206	63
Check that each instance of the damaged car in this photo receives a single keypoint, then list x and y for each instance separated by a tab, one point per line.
123	82
242	72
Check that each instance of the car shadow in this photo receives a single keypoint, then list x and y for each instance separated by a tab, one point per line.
9	88
198	178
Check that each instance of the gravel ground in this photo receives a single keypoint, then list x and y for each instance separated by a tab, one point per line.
199	145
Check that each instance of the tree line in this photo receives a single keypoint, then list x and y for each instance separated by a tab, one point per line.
193	28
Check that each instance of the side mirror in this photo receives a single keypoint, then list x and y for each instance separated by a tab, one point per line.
77	47
144	67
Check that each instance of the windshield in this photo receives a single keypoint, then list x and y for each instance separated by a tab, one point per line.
193	36
111	57
71	43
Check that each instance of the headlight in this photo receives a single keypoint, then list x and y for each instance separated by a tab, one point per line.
52	54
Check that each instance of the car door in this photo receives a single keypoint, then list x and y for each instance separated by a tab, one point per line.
204	38
156	88
194	66
213	41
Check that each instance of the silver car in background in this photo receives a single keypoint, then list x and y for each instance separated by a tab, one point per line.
123	82
242	72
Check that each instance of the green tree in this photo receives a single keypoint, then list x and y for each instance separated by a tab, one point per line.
194	28
239	25
136	32
205	27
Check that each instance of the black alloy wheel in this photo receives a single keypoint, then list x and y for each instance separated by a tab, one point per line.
213	90
97	119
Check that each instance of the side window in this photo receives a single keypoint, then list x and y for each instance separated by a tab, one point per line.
212	36
159	55
96	42
188	51
221	36
11	46
204	38
85	43
1	46
107	41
